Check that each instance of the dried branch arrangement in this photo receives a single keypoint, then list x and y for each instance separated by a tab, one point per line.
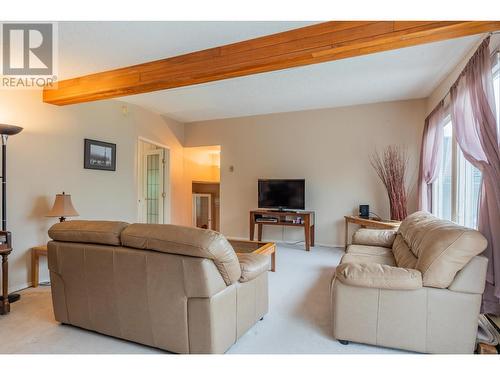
391	166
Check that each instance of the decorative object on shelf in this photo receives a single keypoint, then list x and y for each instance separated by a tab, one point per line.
5	238
391	167
99	155
364	211
62	208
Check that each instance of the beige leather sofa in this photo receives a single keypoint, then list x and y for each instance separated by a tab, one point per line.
176	288
418	289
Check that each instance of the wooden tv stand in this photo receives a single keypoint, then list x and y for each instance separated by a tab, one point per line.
307	217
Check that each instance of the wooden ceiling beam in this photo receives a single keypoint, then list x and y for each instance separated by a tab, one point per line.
314	44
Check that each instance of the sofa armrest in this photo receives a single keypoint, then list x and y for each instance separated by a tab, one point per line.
374	237
252	265
471	278
381	276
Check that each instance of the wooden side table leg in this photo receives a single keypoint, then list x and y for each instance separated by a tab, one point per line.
273	261
307	233
5	307
34	268
312	235
252	226
346	234
259	232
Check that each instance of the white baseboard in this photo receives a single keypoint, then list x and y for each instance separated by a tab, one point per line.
19	287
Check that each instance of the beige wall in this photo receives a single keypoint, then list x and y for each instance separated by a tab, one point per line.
202	164
329	148
47	158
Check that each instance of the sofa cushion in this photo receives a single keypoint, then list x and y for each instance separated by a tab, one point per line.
365	258
252	265
369	250
441	247
195	242
372	275
88	231
374	237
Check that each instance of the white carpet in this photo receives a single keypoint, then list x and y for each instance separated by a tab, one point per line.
298	320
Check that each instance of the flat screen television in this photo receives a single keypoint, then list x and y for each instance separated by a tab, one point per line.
282	194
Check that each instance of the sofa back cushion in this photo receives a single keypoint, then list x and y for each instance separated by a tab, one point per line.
88	231
441	247
195	242
402	253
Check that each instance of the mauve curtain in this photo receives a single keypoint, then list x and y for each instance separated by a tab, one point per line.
475	129
430	155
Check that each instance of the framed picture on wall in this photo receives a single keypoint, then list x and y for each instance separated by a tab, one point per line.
99	155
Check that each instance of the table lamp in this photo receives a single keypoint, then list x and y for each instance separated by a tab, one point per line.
63	207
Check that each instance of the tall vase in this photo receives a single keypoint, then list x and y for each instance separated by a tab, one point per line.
397	203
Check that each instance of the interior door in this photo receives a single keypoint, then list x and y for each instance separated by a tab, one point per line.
153	189
202	211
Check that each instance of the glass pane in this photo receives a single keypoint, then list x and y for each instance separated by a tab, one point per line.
468	187
152	189
442	186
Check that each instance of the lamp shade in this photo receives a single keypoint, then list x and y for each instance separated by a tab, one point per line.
63	207
9	129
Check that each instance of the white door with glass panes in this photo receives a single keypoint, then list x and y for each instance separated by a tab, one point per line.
153	186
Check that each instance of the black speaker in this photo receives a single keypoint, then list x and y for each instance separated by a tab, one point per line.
364	211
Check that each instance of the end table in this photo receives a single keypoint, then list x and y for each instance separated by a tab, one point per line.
36	252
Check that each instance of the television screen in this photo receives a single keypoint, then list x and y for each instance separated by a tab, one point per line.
282	194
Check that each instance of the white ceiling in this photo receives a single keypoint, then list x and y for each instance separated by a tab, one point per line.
409	73
90	47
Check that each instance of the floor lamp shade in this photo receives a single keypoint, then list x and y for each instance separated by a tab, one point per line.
9	129
63	207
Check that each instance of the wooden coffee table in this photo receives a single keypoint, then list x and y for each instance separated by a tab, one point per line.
257	247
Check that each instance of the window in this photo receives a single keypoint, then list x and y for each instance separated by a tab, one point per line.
468	185
455	192
442	187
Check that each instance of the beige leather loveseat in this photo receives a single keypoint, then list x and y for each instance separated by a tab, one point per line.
418	289
176	288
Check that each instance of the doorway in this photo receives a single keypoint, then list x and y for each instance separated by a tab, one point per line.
202	169
206	205
202	211
154	183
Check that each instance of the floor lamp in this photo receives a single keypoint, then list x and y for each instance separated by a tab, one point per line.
5	132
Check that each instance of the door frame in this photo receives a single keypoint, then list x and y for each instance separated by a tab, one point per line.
167	184
210	219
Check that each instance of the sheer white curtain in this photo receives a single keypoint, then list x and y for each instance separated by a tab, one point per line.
475	129
430	156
